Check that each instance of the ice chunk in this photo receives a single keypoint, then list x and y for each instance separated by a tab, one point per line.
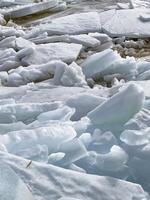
101	37
98	62
44	53
108	62
112	161
73	76
25	112
30	9
83	103
12	187
32	73
74	150
73	24
85	40
111	113
61	114
19	142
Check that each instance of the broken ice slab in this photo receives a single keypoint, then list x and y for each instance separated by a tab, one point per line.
109	62
117	110
12	187
32	73
73	24
44	53
62	114
68	183
85	40
63	74
25	112
52	136
10	31
83	103
30	9
118	23
74	150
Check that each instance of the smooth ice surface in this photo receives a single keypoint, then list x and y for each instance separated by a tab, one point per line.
109	62
118	109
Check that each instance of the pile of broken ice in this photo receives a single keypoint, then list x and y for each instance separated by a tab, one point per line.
55	131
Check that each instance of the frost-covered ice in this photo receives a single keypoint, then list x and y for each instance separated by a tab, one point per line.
74	114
